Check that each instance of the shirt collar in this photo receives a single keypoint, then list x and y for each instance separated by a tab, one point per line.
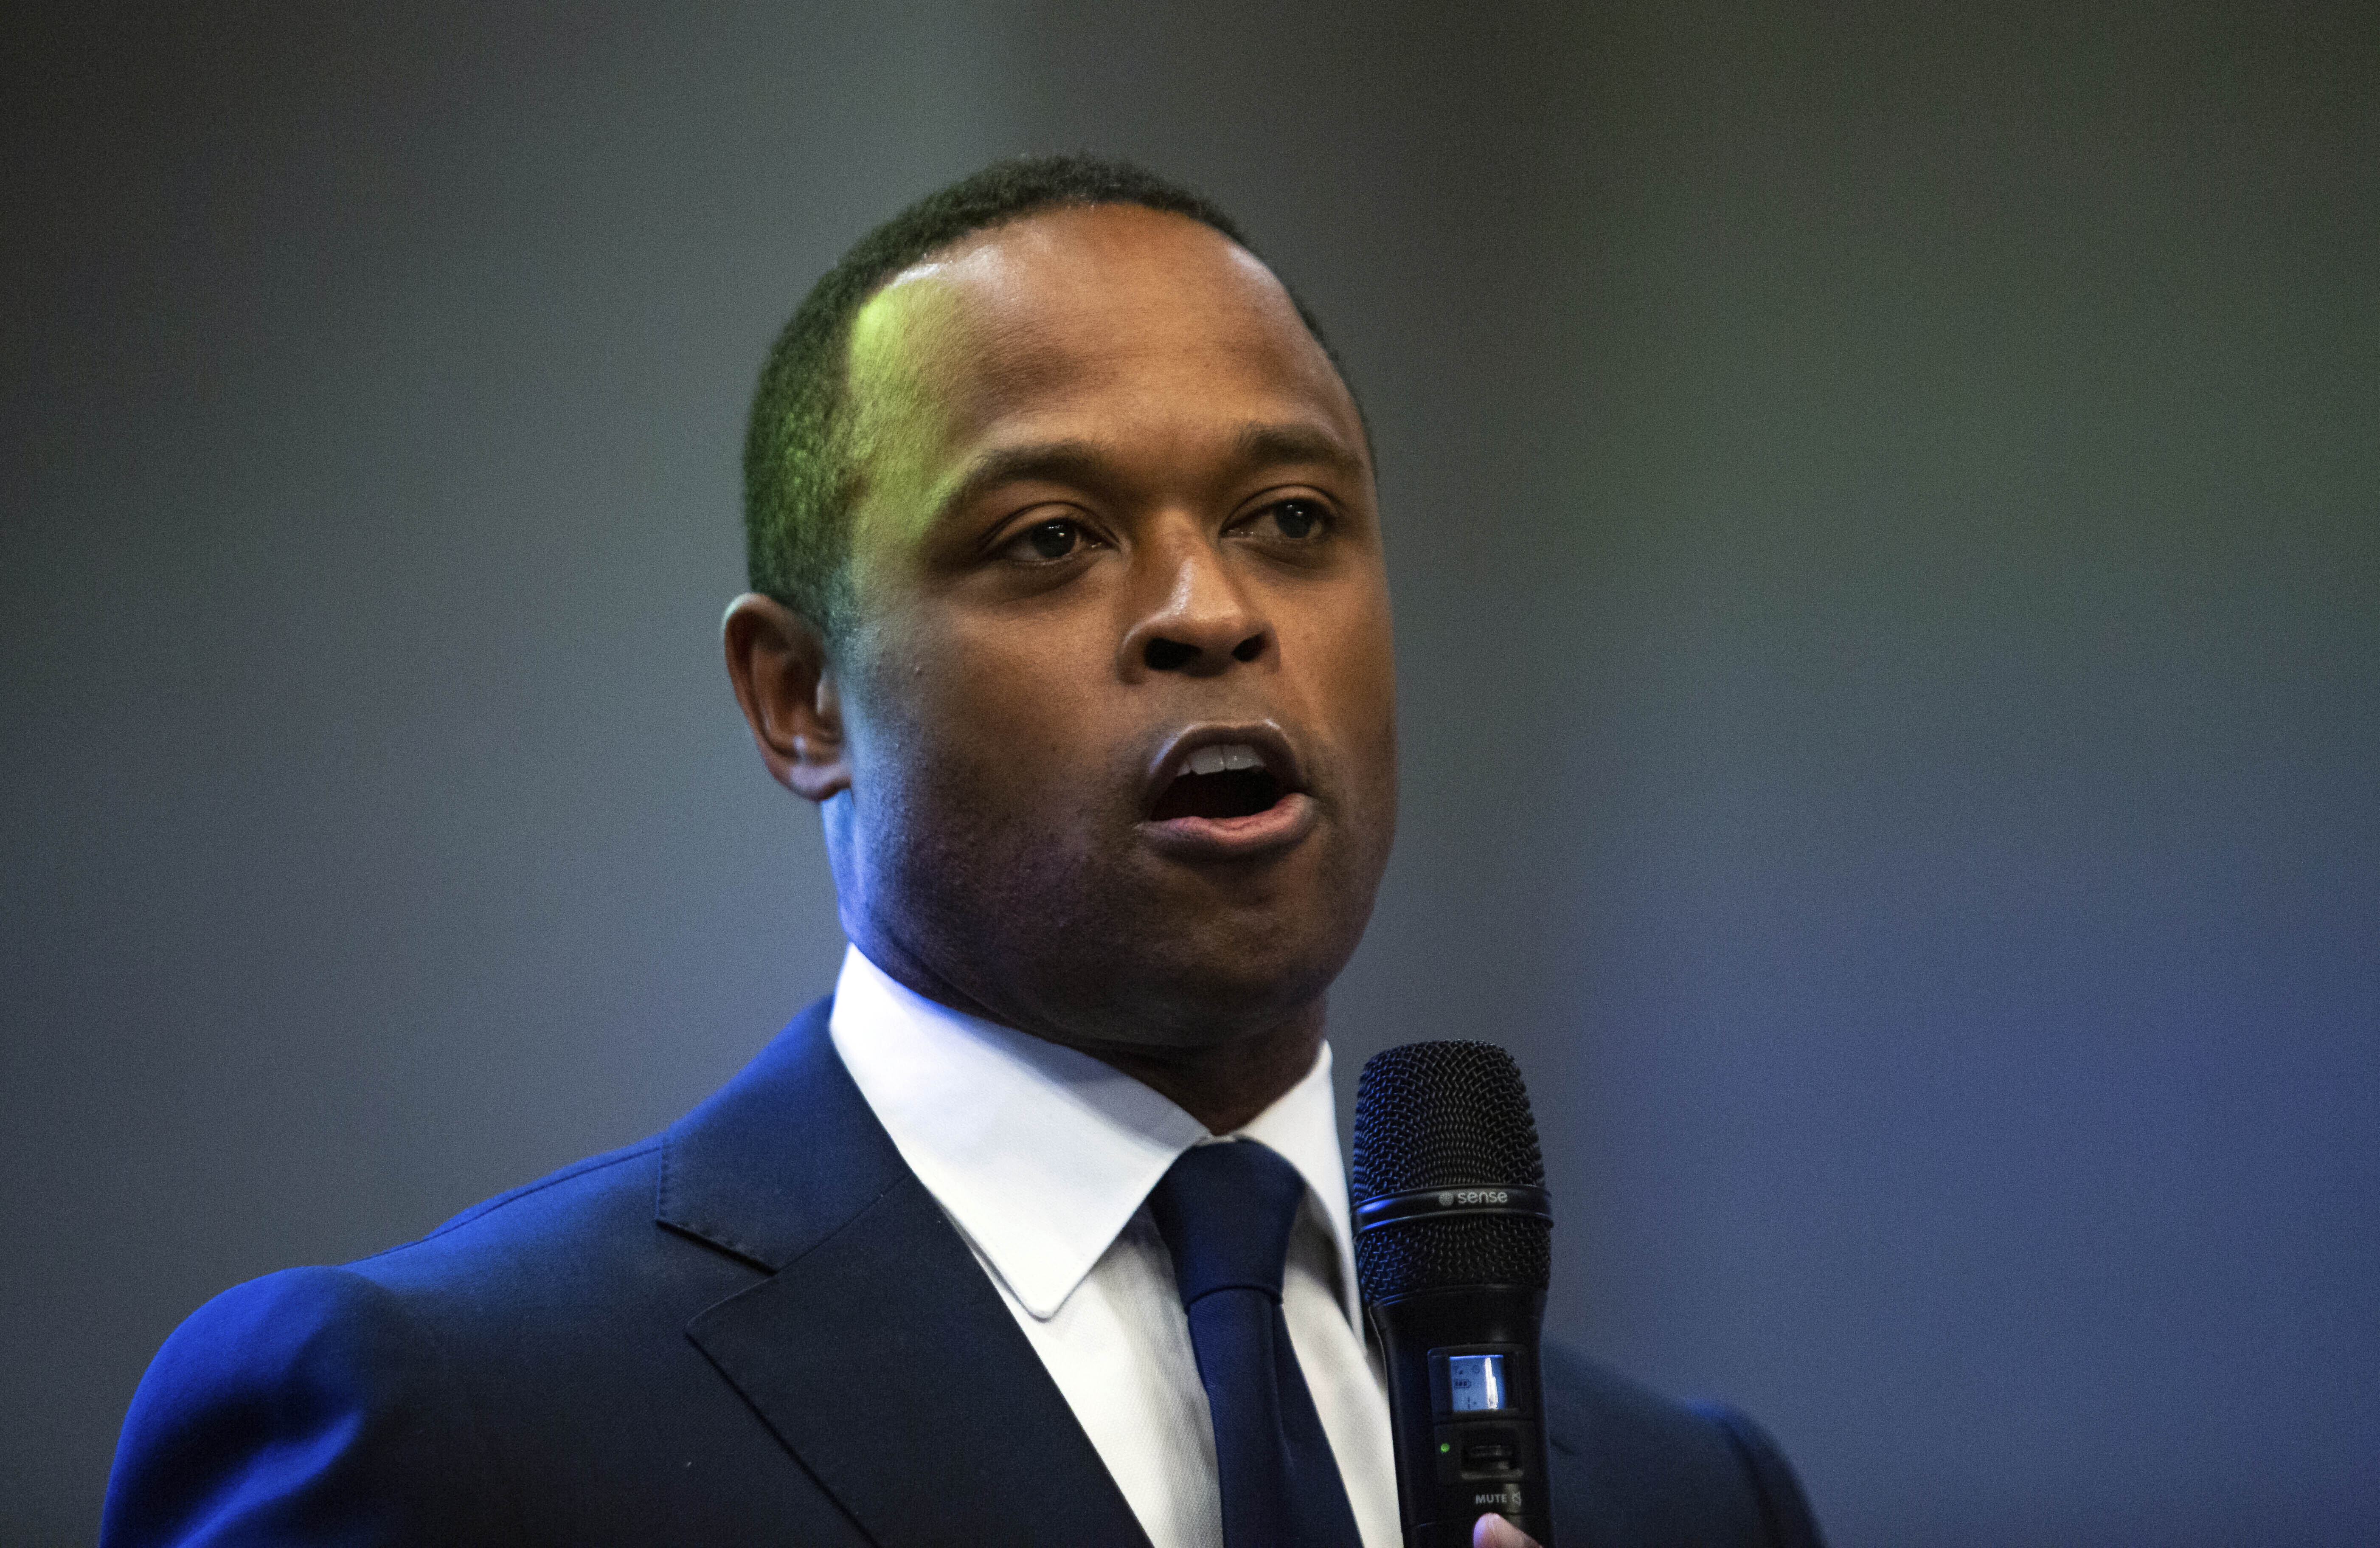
1041	1153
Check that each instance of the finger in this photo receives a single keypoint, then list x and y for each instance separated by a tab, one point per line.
1494	1531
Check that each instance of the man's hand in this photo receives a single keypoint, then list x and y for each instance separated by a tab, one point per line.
1492	1530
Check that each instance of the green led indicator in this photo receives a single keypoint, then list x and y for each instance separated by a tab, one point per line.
1446	1445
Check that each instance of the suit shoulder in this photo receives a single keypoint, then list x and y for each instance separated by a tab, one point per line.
561	1218
405	1398
550	1275
624	1175
279	1404
1783	1507
1647	1468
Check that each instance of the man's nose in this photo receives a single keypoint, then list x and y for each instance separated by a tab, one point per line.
1200	619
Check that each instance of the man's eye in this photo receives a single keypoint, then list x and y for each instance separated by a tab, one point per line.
1046	540
1294	520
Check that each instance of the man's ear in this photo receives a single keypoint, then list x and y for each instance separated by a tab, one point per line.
777	659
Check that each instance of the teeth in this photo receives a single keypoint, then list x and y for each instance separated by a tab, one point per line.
1224	759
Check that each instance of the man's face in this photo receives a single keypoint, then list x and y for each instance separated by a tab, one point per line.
1117	527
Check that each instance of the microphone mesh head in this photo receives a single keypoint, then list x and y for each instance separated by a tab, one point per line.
1446	1115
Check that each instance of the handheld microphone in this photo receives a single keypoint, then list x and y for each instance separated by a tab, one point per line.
1451	1226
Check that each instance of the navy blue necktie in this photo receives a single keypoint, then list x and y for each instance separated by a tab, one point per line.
1225	1213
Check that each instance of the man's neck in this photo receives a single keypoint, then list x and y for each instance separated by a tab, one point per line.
1223	1085
1225	1088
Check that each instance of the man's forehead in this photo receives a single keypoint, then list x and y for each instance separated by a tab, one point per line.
1057	289
1111	246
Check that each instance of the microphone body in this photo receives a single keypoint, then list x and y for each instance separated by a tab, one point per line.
1452	1248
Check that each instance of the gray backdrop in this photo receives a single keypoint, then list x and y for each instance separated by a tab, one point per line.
1883	510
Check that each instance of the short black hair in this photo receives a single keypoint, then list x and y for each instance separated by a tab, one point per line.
801	477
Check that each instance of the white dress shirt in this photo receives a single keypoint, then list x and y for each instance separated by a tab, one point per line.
1042	1156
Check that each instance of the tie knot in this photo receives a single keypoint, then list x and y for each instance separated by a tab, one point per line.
1225	1213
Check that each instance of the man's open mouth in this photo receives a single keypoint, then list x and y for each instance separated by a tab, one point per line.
1223	780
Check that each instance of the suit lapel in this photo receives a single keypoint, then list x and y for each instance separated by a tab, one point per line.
877	1350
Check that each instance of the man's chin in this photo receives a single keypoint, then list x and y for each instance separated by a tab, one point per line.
1190	1001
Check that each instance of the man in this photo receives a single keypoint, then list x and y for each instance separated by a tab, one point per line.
1070	611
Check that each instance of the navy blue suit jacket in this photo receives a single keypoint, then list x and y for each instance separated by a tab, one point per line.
758	1327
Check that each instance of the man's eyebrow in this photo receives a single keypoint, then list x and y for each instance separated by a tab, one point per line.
1269	445
1081	462
1075	462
